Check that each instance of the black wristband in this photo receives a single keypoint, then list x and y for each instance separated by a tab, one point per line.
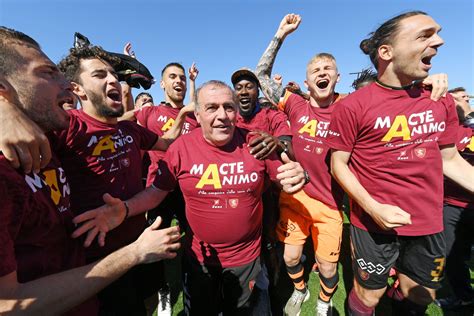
307	179
127	210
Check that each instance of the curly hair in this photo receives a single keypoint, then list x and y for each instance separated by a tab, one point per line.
365	76
70	65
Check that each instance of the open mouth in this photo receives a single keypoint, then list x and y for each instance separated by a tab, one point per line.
244	101
178	89
114	96
68	102
322	84
426	60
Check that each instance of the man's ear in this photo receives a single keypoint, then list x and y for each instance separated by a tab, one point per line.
6	89
78	90
385	52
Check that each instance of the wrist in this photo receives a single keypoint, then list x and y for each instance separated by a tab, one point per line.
307	179
127	210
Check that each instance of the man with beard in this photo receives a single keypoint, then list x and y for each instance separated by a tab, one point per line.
143	99
159	119
102	154
271	133
41	270
391	146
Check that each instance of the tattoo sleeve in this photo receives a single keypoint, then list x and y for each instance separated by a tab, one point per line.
272	90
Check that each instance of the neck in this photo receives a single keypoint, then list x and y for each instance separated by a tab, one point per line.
391	79
174	104
90	110
322	103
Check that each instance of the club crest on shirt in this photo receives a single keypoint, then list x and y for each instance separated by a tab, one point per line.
420	152
318	150
233	203
125	162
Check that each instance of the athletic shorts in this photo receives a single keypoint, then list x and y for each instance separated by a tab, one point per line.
421	258
212	290
301	215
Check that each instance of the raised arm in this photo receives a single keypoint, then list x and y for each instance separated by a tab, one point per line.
193	73
271	89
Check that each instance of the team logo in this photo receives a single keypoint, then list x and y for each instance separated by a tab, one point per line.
319	150
125	162
216	203
420	152
233	203
363	274
370	267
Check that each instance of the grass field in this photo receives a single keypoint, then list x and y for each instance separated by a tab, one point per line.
284	287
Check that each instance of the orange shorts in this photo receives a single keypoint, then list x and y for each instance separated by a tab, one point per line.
301	215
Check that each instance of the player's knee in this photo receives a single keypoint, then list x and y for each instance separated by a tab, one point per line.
370	298
291	258
328	269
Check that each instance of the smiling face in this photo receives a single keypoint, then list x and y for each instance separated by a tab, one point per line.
41	88
216	113
412	48
247	94
321	78
174	84
99	89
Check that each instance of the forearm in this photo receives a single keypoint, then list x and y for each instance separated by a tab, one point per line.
352	186
270	88
128	116
192	90
145	200
127	97
57	293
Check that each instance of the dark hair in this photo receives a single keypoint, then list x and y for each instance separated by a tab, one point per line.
384	35
143	94
458	89
70	65
10	60
364	77
173	64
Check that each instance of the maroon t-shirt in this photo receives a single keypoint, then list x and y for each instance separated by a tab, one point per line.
394	137
309	127
104	158
267	120
159	120
36	226
222	188
453	193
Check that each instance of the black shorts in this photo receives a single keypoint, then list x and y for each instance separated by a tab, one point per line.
421	258
212	290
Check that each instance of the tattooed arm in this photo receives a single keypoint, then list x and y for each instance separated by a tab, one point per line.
270	88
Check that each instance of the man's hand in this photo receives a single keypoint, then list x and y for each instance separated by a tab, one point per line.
291	175
127	50
101	220
193	72
262	145
389	216
278	79
22	142
288	24
154	245
438	84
